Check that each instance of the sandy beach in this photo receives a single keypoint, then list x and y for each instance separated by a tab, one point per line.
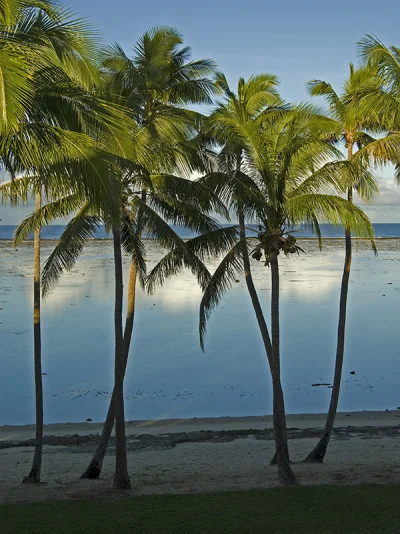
201	455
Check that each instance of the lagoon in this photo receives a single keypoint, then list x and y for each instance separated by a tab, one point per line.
168	376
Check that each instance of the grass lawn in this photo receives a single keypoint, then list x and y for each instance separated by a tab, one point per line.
304	509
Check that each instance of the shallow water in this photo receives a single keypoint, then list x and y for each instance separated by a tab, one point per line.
168	375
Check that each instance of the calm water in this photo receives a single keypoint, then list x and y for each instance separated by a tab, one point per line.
168	375
382	230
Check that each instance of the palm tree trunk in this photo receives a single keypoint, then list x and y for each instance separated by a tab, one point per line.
94	468
121	476
34	475
285	473
319	451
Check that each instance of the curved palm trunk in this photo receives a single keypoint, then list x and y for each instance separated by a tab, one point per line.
285	473
94	468
319	451
121	476
34	475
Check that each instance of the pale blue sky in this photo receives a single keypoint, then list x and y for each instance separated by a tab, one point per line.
296	40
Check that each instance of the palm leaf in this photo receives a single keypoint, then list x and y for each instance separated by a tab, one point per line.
69	247
156	227
16	190
133	245
321	88
203	247
331	209
54	210
221	281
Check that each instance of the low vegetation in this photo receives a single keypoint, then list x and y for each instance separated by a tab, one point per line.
306	509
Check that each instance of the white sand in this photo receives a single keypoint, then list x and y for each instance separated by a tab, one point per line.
206	466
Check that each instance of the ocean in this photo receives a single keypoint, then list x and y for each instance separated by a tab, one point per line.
168	376
382	230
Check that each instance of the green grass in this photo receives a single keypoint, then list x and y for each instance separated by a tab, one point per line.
304	509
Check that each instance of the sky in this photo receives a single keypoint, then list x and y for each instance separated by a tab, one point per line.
297	40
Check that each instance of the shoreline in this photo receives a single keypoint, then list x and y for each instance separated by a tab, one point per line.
310	238
159	426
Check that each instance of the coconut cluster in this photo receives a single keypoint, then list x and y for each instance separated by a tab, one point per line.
274	243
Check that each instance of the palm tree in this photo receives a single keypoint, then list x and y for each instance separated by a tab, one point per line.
147	201
44	129
163	206
155	85
286	171
353	125
382	101
255	98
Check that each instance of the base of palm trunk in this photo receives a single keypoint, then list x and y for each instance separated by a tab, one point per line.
311	460
93	471
32	478
274	460
121	482
286	475
316	456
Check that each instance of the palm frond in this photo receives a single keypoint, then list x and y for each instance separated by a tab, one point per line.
45	215
182	214
221	281
171	264
69	247
192	192
203	247
331	209
322	88
16	87
16	190
379	152
134	246
154	226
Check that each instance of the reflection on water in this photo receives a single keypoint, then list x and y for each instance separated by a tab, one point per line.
168	375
